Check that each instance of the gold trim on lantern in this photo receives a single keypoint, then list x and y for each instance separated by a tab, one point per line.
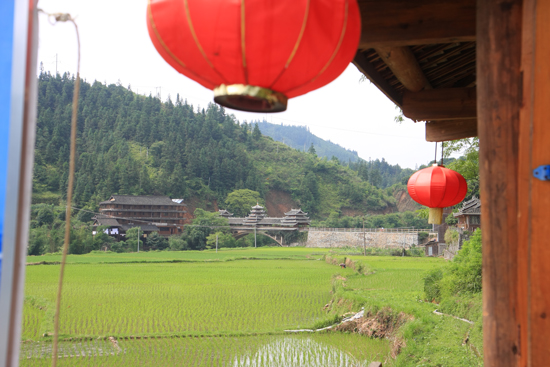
296	45
340	41
250	98
196	39
159	38
435	216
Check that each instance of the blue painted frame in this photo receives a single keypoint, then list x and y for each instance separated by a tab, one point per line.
7	8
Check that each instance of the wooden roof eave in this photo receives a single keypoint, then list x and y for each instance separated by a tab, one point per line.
398	30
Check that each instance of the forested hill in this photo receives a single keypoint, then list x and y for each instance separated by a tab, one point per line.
131	144
299	137
382	174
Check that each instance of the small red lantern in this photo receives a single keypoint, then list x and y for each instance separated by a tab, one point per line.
437	187
255	54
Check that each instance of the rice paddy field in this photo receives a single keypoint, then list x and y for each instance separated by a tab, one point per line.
229	308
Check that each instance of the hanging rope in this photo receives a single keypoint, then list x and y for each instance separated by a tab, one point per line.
53	19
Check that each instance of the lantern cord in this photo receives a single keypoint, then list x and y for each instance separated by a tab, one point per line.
435	153
65	17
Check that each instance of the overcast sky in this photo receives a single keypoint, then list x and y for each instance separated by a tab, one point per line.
116	46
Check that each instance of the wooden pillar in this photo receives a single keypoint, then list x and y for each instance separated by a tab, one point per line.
498	91
534	195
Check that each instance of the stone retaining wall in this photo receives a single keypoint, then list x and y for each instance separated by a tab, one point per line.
355	239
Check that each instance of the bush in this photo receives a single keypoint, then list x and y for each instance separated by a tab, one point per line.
462	276
422	237
177	243
432	286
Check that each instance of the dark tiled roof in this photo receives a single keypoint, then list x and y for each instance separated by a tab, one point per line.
472	206
270	221
141	200
104	220
225	213
296	212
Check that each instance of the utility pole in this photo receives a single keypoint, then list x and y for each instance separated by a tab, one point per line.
138	238
254	236
364	239
216	243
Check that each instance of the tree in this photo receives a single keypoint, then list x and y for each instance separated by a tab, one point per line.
309	193
156	242
311	150
375	178
177	243
256	133
224	240
213	219
132	238
468	164
101	238
195	235
45	215
241	201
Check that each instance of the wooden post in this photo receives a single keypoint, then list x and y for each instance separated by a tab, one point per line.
498	90
534	195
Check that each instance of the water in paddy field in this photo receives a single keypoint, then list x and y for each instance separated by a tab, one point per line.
297	352
307	350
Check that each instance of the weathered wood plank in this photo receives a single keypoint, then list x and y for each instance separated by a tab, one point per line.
365	67
419	22
404	66
446	130
534	195
498	39
440	104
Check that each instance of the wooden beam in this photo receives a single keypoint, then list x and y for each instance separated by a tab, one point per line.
499	27
440	104
404	66
419	22
533	194
367	69
446	130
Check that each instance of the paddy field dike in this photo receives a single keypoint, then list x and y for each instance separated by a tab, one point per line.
234	307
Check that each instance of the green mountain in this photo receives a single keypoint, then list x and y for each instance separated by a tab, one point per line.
299	137
378	172
132	144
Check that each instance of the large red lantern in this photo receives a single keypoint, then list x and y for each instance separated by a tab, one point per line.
255	54
437	187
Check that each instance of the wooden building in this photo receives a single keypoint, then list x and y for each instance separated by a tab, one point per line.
130	211
480	68
117	230
469	216
432	248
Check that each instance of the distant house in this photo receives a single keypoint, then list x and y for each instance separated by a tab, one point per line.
118	230
151	213
433	248
469	216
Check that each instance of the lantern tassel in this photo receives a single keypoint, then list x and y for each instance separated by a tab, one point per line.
436	216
